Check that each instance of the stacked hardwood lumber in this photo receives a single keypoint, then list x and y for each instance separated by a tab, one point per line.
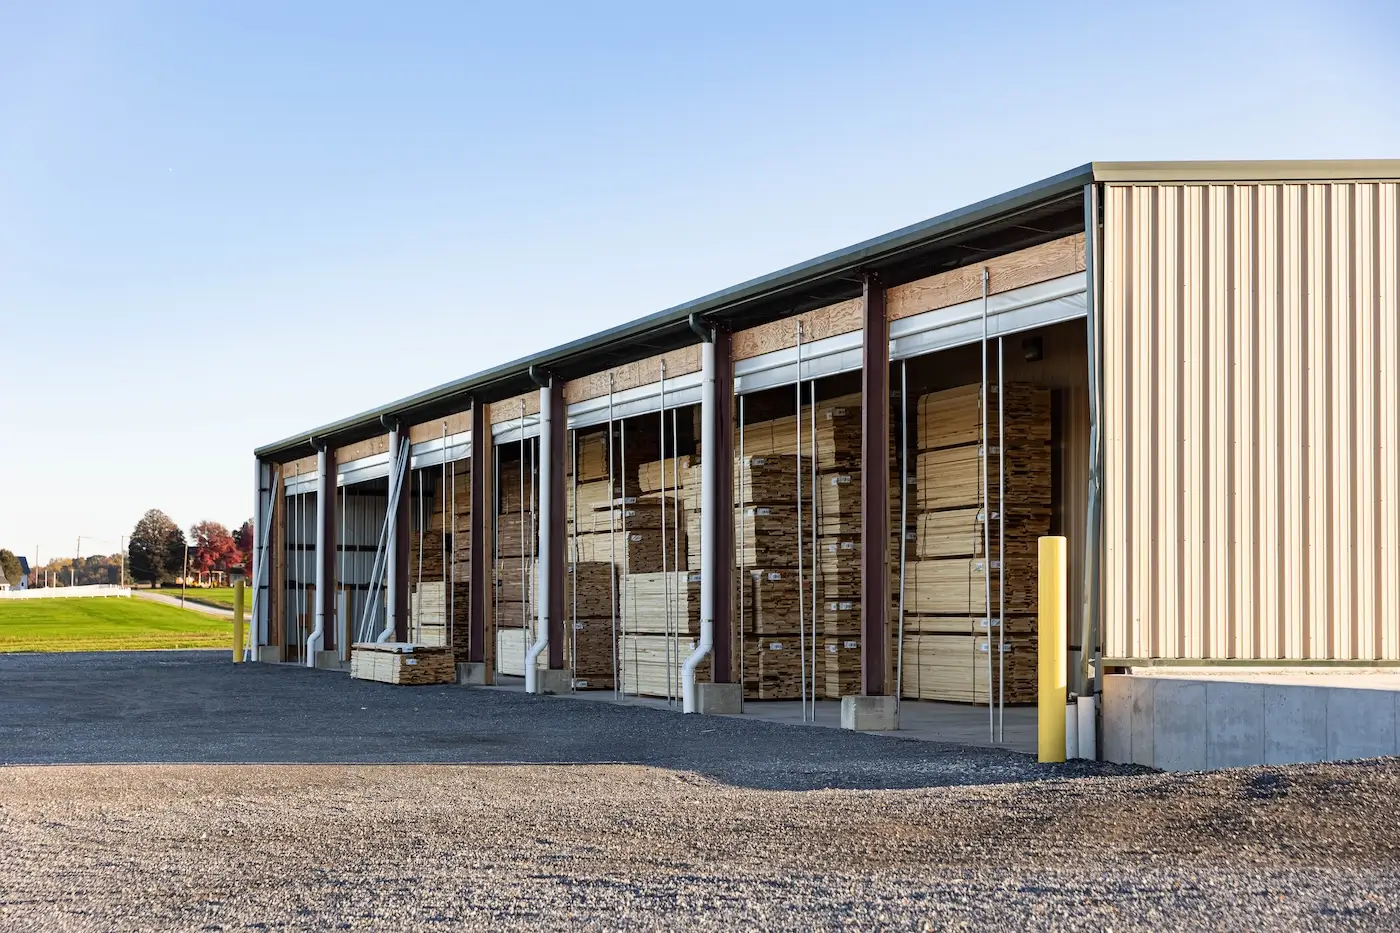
427	613
949	613
838	668
596	494
837	434
591	651
771	606
766	535
396	662
662	475
773	667
592	456
635	551
510	652
511	540
632	514
650	665
661	603
771	478
508	488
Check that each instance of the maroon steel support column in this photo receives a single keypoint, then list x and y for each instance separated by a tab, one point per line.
403	534
557	539
874	492
724	594
482	515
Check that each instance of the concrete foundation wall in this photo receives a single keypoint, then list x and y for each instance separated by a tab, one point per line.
1178	723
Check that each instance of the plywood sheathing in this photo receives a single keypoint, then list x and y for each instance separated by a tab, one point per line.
840	318
1014	270
432	430
630	375
299	467
508	409
362	449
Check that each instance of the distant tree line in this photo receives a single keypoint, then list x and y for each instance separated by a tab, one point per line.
157	550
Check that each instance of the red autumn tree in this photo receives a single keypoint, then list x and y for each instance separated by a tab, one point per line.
213	547
244	539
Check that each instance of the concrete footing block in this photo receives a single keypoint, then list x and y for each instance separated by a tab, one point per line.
553	682
329	661
471	674
269	654
869	714
718	699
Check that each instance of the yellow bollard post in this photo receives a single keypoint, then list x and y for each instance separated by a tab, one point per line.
1050	661
238	622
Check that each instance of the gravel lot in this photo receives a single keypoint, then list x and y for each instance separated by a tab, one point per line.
709	824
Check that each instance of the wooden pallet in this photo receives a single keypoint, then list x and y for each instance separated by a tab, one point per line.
403	663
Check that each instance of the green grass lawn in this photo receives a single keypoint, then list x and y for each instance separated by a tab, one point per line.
106	624
221	596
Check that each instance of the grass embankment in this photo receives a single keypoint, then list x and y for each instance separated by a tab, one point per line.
219	596
107	624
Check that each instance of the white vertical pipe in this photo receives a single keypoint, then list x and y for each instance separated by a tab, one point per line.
986	453
546	546
324	491
250	651
709	525
393	612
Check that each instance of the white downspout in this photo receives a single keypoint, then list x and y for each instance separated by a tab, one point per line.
317	639
709	524
392	609
546	544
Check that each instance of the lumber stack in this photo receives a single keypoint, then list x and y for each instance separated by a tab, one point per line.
633	551
955	590
662	475
837	434
590	649
509	491
773	668
510	652
404	663
661	603
766	535
772	603
592	456
580	503
651	664
514	537
838	668
427	613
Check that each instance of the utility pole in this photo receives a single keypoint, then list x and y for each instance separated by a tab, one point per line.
121	552
73	572
185	575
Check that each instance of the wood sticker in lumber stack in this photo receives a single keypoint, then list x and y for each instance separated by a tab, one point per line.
650	665
403	663
661	603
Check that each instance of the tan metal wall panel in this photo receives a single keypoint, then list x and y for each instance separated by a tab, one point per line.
1252	421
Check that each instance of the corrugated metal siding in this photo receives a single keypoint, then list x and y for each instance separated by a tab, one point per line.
1252	409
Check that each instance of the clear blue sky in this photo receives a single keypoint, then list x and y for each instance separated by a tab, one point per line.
224	223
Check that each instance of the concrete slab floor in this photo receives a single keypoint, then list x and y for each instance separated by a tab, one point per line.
924	720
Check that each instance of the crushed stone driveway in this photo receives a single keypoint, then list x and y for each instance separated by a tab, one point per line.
176	791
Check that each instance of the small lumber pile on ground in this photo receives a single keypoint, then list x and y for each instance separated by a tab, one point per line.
404	663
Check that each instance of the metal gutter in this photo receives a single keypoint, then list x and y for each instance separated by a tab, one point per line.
491	384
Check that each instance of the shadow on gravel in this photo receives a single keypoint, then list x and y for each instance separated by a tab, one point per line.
196	707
